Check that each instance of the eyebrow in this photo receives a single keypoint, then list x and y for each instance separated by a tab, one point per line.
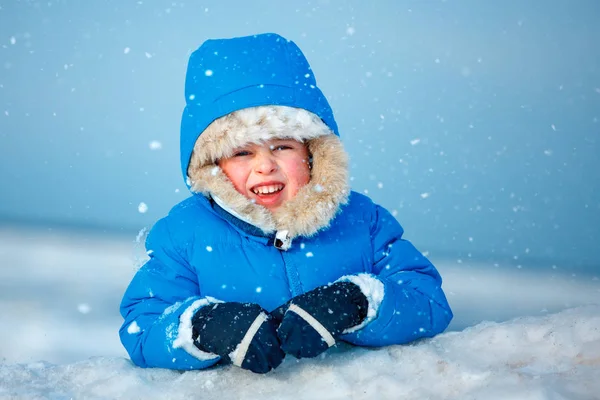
286	140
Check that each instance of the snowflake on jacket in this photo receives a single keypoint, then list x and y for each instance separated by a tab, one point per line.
247	276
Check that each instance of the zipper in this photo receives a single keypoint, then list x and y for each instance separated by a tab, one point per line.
282	243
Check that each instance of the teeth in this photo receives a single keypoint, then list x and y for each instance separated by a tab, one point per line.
267	189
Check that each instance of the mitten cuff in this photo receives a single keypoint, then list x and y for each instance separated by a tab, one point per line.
373	289
185	338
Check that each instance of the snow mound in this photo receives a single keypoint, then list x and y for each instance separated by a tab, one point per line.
552	357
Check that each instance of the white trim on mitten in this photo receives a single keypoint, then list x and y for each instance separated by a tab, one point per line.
314	323
184	337
373	289
239	353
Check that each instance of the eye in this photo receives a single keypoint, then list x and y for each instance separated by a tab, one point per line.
283	147
241	153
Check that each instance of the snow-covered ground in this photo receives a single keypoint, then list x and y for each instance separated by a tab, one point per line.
59	297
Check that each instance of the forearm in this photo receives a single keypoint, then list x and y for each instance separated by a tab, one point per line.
159	339
407	312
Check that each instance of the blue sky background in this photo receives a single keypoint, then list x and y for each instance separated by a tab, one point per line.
476	122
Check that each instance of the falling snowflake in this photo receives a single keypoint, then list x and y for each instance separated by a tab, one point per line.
126	50
84	308
142	207
208	72
155	145
209	248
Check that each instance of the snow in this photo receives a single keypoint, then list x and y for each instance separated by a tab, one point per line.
133	328
83	308
155	145
545	345
142	207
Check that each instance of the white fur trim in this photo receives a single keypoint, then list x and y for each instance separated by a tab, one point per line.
316	325
184	335
313	207
255	125
373	289
237	356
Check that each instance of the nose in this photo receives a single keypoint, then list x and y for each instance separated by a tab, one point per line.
265	163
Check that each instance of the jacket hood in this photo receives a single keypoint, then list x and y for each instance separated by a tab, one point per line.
250	90
226	75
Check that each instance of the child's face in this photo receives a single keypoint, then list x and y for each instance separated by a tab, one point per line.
270	173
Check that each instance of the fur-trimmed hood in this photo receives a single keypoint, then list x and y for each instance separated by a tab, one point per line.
226	75
252	89
314	205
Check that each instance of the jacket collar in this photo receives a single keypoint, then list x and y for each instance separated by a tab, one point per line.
237	220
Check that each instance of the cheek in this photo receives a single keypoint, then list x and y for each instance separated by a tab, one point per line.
239	183
236	175
299	172
304	174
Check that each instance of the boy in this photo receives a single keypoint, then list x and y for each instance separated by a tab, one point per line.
273	254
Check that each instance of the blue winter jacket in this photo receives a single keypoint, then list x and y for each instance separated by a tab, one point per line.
199	250
195	252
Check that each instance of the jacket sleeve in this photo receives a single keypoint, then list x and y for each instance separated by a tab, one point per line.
406	300
158	306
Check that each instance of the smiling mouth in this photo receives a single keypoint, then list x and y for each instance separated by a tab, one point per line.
267	189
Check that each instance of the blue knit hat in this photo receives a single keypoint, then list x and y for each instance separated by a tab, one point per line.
227	75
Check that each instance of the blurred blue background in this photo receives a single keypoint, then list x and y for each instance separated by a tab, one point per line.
476	123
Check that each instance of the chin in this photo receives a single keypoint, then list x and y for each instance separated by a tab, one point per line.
272	208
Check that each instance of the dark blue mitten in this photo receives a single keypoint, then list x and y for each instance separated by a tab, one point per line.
311	322
241	333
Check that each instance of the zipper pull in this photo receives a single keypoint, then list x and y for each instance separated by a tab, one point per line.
282	240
